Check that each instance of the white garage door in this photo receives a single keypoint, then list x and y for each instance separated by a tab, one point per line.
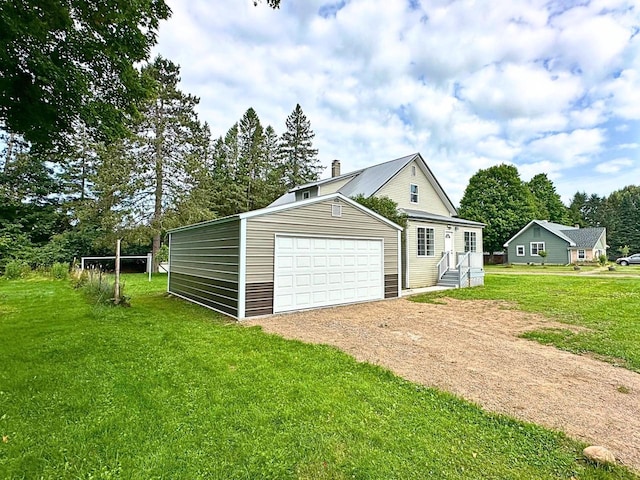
315	272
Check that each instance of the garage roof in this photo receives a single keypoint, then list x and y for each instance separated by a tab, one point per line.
338	197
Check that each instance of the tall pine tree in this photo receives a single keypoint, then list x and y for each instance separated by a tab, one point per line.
299	159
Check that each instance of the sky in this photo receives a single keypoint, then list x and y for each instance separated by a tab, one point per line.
547	86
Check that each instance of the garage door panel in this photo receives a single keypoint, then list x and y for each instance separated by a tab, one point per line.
314	272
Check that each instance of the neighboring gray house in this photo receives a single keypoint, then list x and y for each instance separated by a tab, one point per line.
313	253
563	244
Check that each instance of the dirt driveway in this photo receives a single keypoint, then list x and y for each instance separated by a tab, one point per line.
472	349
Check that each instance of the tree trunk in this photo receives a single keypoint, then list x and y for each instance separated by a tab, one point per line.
156	222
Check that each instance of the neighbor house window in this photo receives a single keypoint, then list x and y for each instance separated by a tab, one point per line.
469	241
414	193
536	247
582	255
426	242
306	195
520	250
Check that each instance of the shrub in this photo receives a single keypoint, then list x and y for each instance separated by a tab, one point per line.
602	260
163	254
60	271
16	269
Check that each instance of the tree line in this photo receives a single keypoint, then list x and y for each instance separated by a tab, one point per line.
77	197
498	197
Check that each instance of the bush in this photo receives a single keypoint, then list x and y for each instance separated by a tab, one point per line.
163	254
16	269
602	260
60	271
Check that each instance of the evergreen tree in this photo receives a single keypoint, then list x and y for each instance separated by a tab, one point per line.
587	210
165	140
498	198
550	206
299	158
621	214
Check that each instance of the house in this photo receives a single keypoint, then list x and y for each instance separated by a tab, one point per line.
320	251
562	243
438	247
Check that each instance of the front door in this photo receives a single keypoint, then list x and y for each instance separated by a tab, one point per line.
448	248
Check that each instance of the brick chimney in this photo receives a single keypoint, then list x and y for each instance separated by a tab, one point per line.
335	168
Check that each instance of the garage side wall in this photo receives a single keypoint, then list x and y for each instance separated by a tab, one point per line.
312	220
204	265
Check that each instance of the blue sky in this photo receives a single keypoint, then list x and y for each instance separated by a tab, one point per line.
548	86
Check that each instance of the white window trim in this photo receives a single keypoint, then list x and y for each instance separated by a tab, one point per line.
475	240
524	252
584	254
306	194
531	244
417	194
426	255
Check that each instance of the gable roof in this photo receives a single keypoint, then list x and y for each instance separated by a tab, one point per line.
585	237
420	215
368	181
576	237
277	208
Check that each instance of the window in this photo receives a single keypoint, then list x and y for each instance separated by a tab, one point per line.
536	247
414	193
469	241
336	210
426	242
306	194
413	170
582	255
519	250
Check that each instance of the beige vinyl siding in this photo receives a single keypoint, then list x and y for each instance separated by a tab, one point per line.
422	270
398	189
313	220
204	265
333	187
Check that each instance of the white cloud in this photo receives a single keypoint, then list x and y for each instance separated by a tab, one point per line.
569	149
613	166
468	84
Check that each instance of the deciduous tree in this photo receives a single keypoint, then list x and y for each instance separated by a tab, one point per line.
498	198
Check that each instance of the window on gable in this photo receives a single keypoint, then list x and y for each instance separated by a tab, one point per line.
413	170
520	250
426	242
536	248
414	193
582	255
306	194
469	241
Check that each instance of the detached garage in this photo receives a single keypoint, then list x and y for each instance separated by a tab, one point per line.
313	253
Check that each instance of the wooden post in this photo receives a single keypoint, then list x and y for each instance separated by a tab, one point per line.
116	287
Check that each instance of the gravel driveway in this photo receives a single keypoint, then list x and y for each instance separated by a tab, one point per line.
472	349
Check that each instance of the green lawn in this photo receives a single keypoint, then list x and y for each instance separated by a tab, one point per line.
631	270
608	307
167	389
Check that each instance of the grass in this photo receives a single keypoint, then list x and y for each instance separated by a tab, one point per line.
607	307
167	389
591	269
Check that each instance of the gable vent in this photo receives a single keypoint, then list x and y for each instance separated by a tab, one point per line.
336	210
